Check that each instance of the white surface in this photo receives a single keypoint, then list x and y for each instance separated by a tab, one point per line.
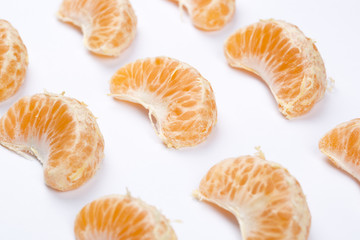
135	157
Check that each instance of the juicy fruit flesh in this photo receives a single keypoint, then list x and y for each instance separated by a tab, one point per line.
267	201
13	60
61	132
109	26
285	59
209	15
121	217
177	96
341	145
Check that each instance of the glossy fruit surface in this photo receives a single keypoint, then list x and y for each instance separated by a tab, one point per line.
209	15
288	62
13	60
266	200
60	132
118	217
180	101
109	26
342	146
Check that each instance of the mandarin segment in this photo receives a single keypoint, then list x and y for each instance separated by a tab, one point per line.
121	217
109	26
288	62
209	15
13	60
266	200
180	100
60	132
342	146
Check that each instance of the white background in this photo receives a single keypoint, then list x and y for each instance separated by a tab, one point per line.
136	159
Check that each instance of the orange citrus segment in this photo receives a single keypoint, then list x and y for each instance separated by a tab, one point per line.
118	217
267	201
13	60
342	146
108	26
285	59
59	131
180	100
209	15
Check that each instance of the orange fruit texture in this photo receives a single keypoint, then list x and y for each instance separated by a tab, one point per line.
267	201
60	132
118	217
288	62
208	15
109	26
342	146
180	101
13	60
